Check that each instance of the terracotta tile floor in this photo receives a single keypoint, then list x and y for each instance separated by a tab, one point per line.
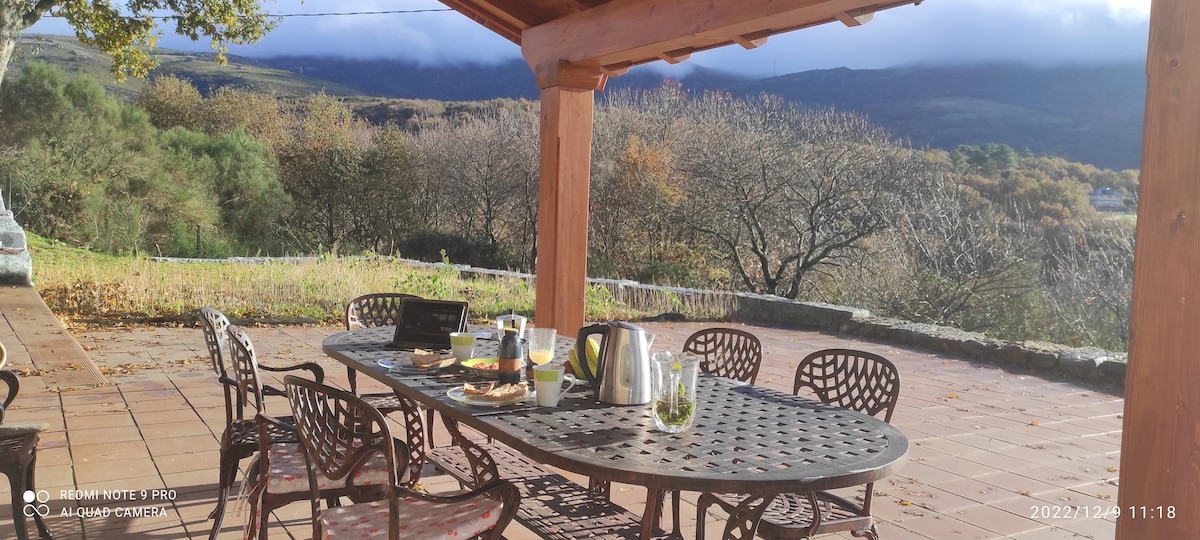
987	446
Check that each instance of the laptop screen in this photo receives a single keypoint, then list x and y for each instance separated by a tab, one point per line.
426	322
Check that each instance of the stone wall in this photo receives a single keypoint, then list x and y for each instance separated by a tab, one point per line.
1084	364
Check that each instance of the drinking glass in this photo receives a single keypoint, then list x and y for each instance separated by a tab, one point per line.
673	388
541	345
462	345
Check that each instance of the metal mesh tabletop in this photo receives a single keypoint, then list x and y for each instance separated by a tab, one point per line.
745	439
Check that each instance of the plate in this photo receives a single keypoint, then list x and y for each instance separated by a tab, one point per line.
485	367
388	364
391	365
457	394
442	364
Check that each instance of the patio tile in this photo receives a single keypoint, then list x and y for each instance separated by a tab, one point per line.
115	473
102	452
95	421
175	430
144	418
996	520
182	445
1021	485
199	481
195	461
977	491
104	435
936	526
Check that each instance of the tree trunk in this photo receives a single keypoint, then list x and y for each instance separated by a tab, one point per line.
8	42
15	17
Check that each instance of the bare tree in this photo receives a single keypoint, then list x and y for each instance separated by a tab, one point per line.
784	192
482	178
1090	284
971	266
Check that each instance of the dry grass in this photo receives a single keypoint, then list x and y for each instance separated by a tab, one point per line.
88	287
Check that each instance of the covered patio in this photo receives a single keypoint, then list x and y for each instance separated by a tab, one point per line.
988	446
574	46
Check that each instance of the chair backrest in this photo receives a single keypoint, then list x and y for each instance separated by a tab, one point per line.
859	380
14	385
374	310
215	323
338	431
245	370
726	352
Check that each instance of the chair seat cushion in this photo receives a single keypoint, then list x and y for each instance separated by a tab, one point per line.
17	429
288	473
419	519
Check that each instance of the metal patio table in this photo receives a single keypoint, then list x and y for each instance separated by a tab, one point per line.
745	439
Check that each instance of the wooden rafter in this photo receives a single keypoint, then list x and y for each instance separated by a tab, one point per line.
637	31
521	11
489	20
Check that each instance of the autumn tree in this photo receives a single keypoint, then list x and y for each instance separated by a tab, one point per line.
126	31
321	167
482	180
637	227
784	192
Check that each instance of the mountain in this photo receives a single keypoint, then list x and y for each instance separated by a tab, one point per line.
1091	114
468	82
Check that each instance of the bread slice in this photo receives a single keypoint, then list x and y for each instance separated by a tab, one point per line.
473	390
505	393
425	359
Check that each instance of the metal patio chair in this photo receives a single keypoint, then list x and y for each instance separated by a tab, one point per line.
372	311
242	435
341	435
18	460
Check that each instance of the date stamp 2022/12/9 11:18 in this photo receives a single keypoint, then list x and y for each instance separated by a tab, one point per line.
1112	511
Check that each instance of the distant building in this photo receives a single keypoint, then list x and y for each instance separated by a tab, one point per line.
1107	199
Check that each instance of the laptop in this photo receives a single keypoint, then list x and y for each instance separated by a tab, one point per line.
426	324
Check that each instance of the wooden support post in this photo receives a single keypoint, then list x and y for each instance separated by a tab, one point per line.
1159	489
566	163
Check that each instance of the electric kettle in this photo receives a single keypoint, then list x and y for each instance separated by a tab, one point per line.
622	374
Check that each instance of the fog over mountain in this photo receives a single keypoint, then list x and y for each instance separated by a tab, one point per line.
1036	32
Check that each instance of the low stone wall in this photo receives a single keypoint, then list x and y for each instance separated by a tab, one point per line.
1084	364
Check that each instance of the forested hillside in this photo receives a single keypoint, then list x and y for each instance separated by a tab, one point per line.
1090	114
706	191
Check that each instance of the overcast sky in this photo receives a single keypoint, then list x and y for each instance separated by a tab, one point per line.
1043	32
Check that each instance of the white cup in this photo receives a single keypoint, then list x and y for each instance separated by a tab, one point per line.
548	383
462	345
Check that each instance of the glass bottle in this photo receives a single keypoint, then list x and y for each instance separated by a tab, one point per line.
509	368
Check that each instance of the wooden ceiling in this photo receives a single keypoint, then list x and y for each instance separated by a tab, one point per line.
613	35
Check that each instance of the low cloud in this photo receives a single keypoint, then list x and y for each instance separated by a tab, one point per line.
937	31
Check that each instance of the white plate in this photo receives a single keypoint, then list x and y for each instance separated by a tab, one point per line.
458	395
388	364
392	366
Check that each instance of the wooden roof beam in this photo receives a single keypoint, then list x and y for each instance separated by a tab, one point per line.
518	10
676	56
563	73
752	40
638	30
855	20
488	20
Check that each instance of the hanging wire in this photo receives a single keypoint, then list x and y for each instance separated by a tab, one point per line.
330	14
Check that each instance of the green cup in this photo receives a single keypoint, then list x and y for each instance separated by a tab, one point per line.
462	345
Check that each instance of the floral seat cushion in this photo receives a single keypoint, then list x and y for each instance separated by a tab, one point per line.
419	519
288	473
